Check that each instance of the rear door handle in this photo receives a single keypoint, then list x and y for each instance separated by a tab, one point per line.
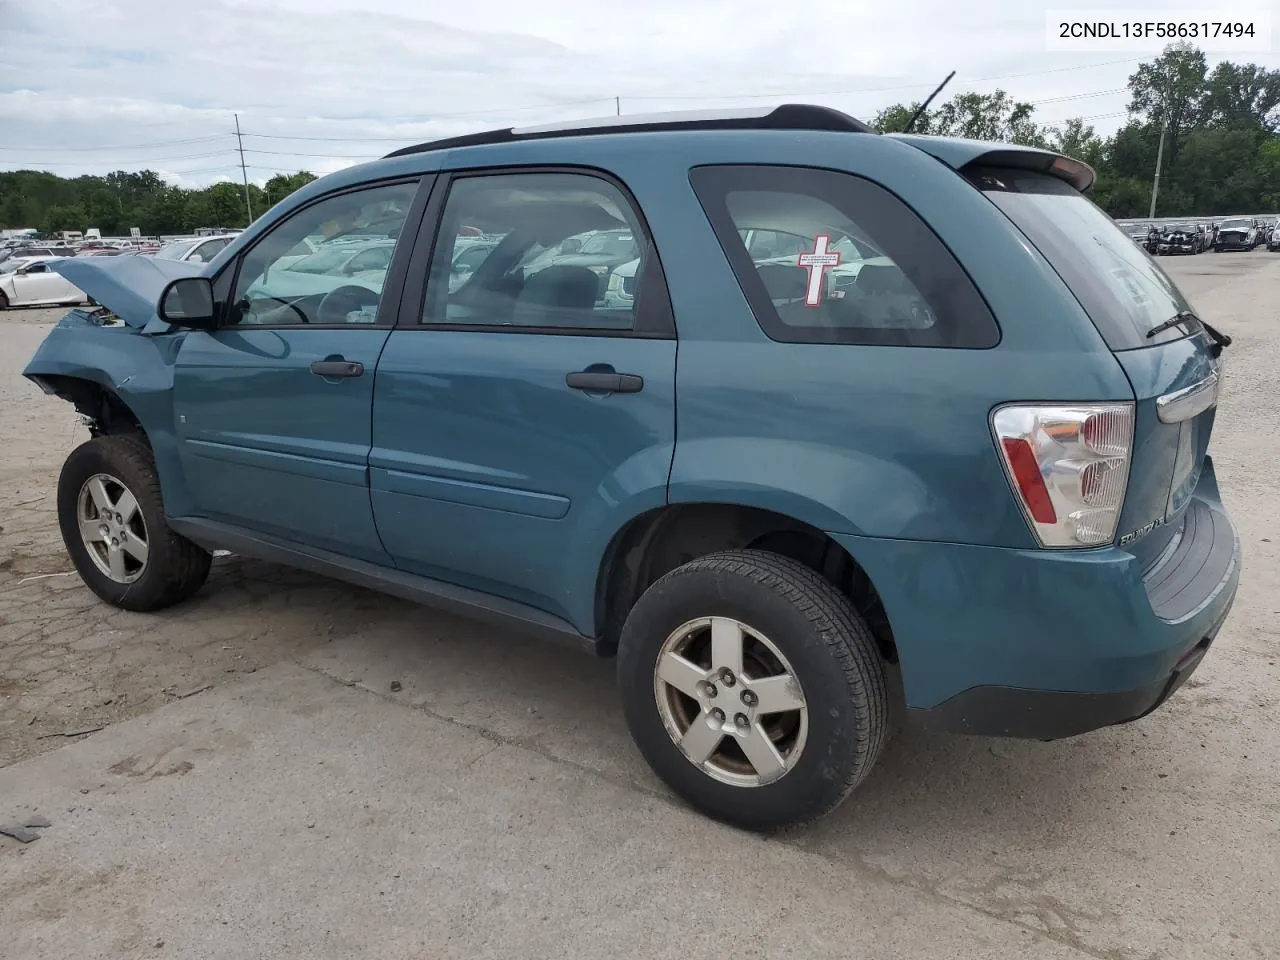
604	382
336	368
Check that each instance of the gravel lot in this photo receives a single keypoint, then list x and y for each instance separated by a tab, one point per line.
258	789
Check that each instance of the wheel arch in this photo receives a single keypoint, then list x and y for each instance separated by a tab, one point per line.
659	540
103	409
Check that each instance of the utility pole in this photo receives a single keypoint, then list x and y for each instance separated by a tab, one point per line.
617	106
245	175
1155	185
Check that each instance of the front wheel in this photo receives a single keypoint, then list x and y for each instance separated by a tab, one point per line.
753	688
112	520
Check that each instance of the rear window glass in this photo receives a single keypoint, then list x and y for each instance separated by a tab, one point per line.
1123	290
828	257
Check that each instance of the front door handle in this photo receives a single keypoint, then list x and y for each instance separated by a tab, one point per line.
334	368
603	381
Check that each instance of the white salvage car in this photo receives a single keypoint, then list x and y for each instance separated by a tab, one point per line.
30	283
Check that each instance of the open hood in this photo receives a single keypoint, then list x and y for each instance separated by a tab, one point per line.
128	286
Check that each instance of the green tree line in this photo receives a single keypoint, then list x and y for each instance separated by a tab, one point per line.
1221	149
120	200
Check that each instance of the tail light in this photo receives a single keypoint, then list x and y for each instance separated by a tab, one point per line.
1069	466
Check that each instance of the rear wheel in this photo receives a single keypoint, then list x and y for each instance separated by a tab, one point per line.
4	301
753	688
112	520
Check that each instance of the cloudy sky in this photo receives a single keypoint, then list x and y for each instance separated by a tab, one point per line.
89	86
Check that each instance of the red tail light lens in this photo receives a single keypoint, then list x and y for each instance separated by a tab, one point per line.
1026	475
1069	466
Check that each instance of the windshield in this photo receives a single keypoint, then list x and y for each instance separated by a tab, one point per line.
1123	290
175	250
610	245
1233	224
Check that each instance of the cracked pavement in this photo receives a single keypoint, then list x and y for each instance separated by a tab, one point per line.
491	802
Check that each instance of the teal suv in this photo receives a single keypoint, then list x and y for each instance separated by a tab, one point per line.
814	429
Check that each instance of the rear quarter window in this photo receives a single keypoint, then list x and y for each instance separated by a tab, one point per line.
882	277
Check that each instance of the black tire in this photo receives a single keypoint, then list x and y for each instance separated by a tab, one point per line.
830	649
4	301
175	567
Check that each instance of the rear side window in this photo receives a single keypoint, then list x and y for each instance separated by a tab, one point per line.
1123	290
827	257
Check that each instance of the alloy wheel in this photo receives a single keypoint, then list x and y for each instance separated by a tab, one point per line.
731	701
112	528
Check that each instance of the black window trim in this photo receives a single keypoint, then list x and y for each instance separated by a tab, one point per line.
392	285
654	318
712	183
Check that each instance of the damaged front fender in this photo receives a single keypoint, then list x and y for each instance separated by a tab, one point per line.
95	361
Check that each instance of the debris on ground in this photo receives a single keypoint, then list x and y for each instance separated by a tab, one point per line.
184	692
45	576
395	686
19	833
77	732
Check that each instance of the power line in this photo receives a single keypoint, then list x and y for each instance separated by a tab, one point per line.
907	86
323	156
81	163
123	146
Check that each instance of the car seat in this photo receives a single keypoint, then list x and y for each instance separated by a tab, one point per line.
561	296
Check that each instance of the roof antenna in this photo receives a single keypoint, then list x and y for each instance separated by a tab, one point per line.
916	116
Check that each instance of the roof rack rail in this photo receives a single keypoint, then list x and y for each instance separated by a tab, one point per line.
788	116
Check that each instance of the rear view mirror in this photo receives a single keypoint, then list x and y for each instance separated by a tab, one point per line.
188	302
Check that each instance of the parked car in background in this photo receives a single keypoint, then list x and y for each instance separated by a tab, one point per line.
1273	240
1236	233
1179	238
195	249
32	284
792	529
27	250
469	252
599	251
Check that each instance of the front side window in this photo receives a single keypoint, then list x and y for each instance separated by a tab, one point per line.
827	257
354	236
536	250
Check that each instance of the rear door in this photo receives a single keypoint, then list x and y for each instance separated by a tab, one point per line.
273	409
519	416
1171	360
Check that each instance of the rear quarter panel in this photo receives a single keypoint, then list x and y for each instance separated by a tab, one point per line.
867	440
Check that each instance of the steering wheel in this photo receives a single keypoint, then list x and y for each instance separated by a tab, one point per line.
339	302
245	308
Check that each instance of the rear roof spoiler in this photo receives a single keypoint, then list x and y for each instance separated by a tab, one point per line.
959	154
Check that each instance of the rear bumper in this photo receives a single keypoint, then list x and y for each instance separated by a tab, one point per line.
1044	644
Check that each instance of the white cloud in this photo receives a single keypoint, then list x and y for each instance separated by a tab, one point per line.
95	85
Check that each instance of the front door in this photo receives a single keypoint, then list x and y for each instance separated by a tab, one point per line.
272	410
519	415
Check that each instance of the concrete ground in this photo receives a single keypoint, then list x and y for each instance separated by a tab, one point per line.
258	788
